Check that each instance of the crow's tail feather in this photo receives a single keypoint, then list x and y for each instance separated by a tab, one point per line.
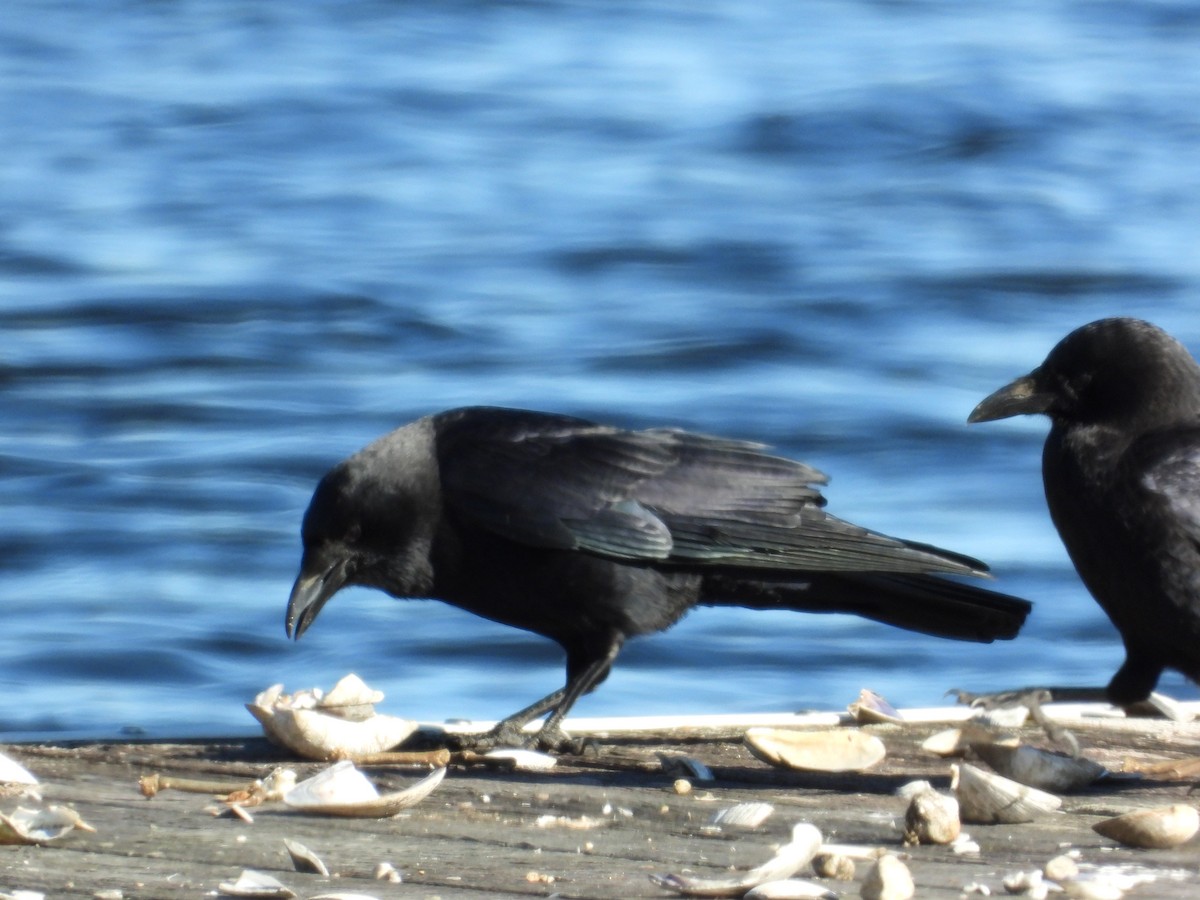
929	604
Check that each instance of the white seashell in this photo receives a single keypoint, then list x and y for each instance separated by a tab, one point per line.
788	860
742	815
987	798
1093	889
255	884
342	790
1152	829
303	859
314	734
12	772
956	741
39	826
351	696
22	895
1041	769
1026	884
963	845
385	871
791	889
871	708
931	818
834	750
278	783
888	879
521	760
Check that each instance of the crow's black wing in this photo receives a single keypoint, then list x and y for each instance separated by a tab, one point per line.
656	495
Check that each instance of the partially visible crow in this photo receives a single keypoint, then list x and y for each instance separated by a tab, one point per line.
1121	468
589	535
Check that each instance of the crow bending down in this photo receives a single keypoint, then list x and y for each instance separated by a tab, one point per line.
589	535
1121	468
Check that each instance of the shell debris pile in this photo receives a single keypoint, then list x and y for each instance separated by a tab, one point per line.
340	724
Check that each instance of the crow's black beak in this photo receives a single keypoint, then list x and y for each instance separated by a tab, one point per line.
311	591
1021	397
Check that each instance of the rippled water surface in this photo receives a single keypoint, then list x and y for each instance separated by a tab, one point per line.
239	240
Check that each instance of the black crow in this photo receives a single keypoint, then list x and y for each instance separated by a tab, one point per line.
1121	468
589	534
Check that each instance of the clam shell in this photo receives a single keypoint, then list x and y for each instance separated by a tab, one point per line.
932	818
1152	829
790	859
342	790
314	734
255	884
833	750
743	815
351	698
791	889
303	859
987	798
1041	769
871	708
39	826
12	772
888	879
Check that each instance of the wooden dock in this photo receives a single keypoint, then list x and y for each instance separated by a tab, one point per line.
594	826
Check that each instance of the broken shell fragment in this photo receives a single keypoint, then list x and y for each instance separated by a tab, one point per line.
1026	884
956	741
791	889
833	865
986	798
342	790
520	760
305	726
1038	768
12	772
1152	829
743	815
888	879
871	708
39	826
790	858
351	699
834	750
931	818
255	884
303	859
385	871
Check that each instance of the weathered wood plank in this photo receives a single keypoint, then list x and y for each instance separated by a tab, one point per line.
594	827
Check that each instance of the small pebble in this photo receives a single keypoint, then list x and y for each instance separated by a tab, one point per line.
682	786
1061	868
889	879
385	871
1027	884
833	865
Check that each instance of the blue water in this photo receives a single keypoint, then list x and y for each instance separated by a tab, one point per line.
239	240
